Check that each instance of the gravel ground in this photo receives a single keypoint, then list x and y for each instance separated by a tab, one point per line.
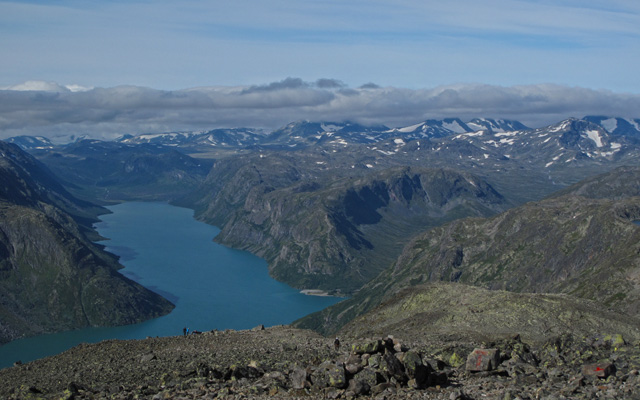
282	362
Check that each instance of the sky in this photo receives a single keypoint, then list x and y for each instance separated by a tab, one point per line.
105	68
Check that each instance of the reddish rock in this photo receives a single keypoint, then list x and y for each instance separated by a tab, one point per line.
601	370
483	360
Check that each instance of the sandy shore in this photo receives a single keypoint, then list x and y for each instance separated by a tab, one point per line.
314	292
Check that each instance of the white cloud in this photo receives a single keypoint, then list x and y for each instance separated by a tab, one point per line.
53	110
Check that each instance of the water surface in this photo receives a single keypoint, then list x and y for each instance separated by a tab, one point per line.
212	286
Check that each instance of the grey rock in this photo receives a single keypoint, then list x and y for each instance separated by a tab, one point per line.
298	378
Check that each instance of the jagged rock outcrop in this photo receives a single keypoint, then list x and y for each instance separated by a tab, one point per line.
52	277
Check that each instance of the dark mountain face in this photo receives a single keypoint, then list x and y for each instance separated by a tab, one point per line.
52	277
583	246
25	181
111	171
318	229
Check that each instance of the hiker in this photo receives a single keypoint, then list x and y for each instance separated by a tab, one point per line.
184	331
187	331
336	344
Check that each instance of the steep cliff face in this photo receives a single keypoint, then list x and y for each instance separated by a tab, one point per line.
585	247
334	234
52	277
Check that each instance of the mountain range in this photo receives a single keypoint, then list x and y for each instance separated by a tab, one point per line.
371	212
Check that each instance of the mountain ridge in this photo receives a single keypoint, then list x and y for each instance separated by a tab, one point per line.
52	276
586	247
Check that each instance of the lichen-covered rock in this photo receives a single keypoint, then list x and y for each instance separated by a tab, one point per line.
369	347
329	375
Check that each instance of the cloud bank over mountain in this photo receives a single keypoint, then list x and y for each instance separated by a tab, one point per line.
61	111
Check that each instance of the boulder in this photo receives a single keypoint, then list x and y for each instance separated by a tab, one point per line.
415	369
600	370
367	348
353	367
358	387
369	376
393	367
298	378
329	375
483	360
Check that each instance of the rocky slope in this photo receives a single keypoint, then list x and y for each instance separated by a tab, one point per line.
52	277
333	232
449	312
586	247
281	362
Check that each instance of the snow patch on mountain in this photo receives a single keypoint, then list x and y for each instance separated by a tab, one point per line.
454	127
329	127
609	124
595	136
411	128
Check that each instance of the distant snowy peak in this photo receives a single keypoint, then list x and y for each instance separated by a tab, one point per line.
496	125
302	133
308	128
569	141
433	128
578	134
169	138
617	126
237	137
31	142
453	126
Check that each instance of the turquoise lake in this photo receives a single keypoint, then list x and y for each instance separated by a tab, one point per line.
213	287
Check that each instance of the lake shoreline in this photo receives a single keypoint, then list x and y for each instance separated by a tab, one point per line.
163	248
